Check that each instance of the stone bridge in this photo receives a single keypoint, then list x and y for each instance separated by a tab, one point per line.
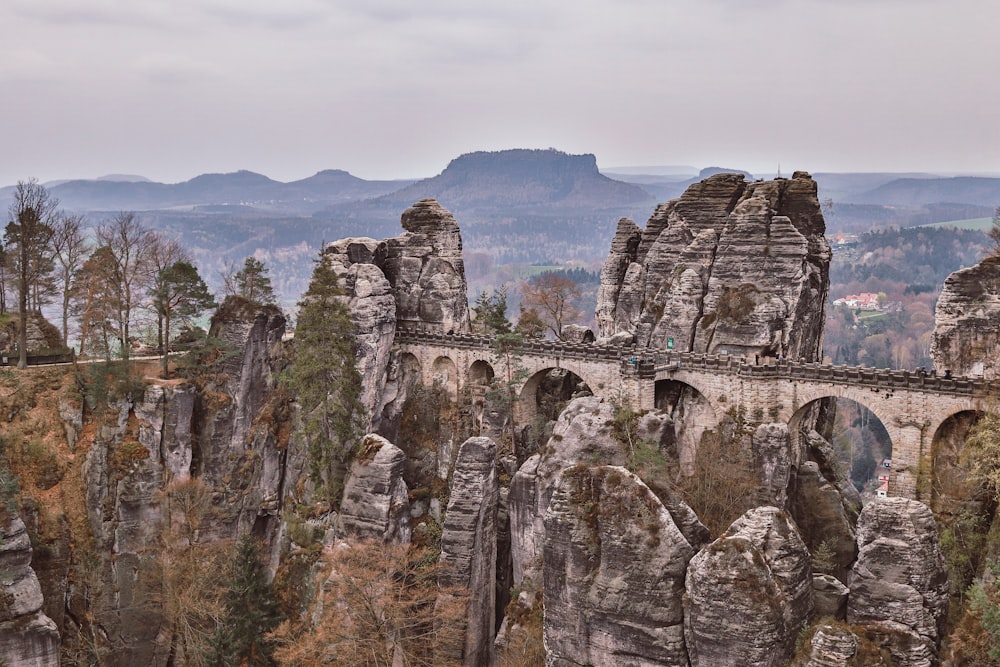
912	405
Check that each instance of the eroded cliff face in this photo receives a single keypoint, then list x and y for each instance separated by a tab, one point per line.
416	279
614	568
729	267
426	270
966	321
28	637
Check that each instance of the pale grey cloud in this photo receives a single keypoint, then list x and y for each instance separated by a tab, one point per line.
389	88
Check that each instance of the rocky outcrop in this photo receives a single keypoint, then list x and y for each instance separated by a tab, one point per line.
237	425
375	504
899	585
775	462
27	636
749	593
830	596
836	646
426	270
614	564
41	335
966	322
729	267
823	521
469	545
416	279
582	433
369	296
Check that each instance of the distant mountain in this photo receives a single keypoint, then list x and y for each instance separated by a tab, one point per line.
917	191
845	187
127	178
519	178
241	188
516	205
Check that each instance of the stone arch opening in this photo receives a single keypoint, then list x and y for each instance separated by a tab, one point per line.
542	398
841	434
409	372
444	372
480	378
481	373
691	415
964	513
948	480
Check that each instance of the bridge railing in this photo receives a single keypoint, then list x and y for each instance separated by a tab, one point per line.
648	362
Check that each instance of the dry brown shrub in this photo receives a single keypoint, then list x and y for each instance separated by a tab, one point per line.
377	603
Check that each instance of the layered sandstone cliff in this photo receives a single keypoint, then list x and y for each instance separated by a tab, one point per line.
27	636
730	266
966	322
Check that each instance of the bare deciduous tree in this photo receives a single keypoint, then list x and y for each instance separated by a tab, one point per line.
554	297
130	245
380	606
70	249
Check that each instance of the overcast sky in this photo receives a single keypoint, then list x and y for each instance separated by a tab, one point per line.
397	88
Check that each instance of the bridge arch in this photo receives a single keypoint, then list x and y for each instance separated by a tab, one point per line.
692	415
862	440
480	373
408	370
949	482
444	371
542	397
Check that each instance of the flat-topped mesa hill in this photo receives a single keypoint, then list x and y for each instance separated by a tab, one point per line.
728	267
520	178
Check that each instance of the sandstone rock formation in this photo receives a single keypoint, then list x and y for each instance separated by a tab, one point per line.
730	267
241	432
416	279
582	433
369	296
426	270
823	521
375	504
469	545
966	321
749	593
830	597
836	646
775	462
899	585
27	636
614	564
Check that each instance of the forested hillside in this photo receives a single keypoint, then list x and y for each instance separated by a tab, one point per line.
906	269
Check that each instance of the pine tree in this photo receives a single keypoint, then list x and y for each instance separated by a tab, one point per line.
179	295
325	381
252	282
490	313
28	237
251	612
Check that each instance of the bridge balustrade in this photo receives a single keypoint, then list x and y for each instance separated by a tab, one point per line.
650	361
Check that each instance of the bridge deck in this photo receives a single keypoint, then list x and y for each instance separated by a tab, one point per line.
650	362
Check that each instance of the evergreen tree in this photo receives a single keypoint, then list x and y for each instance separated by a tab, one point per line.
490	313
251	612
28	237
252	282
180	294
325	381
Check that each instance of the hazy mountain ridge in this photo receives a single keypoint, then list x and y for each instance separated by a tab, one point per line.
515	206
981	190
242	187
